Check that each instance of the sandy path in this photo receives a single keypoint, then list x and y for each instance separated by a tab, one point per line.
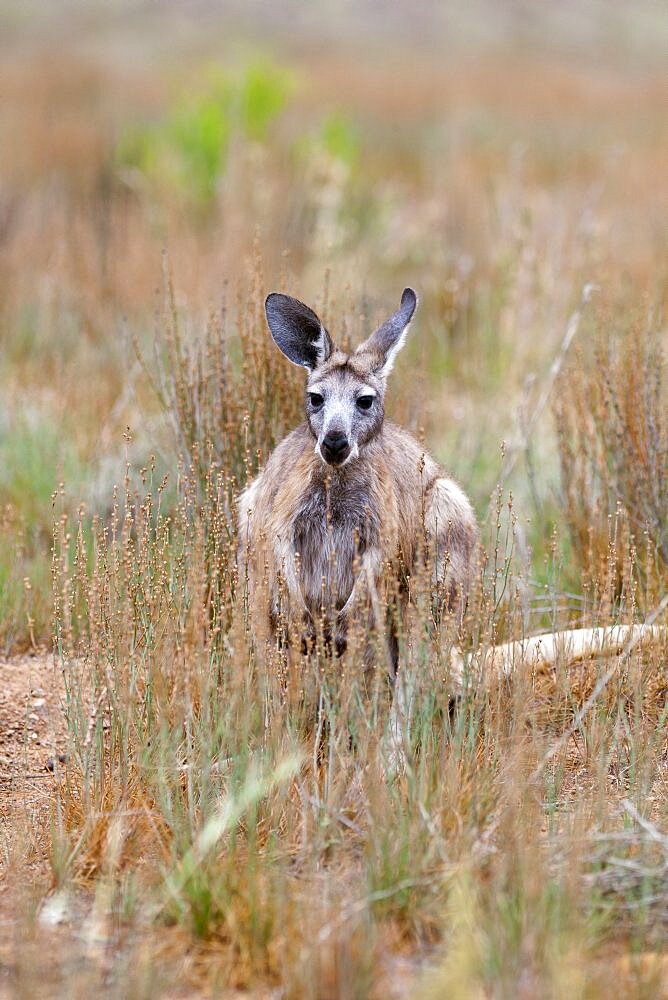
32	724
32	733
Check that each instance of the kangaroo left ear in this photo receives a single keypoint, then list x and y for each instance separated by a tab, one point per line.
297	331
389	338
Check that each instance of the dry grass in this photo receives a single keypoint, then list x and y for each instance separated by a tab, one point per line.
226	821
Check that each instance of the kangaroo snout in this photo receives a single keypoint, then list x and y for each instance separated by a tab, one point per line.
335	448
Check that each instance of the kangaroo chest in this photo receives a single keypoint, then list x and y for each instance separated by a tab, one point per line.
332	529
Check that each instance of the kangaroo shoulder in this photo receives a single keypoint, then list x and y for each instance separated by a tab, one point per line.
409	459
449	504
288	464
417	472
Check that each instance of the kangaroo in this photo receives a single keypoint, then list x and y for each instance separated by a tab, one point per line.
348	493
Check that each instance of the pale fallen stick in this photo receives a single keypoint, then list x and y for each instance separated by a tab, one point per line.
631	636
544	651
523	655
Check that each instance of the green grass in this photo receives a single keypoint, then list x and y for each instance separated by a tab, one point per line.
184	154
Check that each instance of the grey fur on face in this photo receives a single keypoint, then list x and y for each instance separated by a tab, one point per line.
342	407
344	399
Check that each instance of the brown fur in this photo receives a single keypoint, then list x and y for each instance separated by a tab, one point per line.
316	539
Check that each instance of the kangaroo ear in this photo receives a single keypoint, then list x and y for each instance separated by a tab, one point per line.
389	338
297	331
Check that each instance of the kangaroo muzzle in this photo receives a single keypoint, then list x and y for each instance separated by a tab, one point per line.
335	448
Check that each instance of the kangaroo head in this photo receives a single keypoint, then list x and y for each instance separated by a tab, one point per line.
344	392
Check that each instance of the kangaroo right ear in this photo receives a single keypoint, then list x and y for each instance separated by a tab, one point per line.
389	338
297	331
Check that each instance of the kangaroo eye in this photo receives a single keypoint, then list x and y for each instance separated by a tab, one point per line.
365	402
315	399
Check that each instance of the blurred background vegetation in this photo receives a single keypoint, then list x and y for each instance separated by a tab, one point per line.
498	158
162	167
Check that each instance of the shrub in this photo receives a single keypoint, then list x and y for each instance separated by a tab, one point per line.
612	422
186	151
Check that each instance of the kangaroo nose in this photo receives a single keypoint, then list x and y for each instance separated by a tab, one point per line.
335	447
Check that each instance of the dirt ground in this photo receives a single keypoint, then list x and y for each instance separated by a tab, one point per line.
32	724
32	739
32	735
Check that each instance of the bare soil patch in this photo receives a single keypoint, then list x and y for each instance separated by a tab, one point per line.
32	722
